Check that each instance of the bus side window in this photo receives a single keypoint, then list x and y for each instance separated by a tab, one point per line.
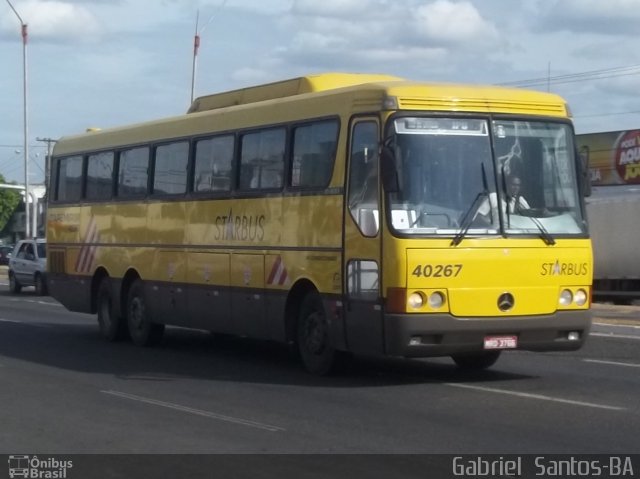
133	174
213	164
363	178
262	159
69	177
314	147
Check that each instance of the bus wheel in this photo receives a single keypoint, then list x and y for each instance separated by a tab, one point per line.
14	286
476	361
41	286
143	332
112	326
314	342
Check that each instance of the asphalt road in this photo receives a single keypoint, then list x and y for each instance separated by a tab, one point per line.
66	391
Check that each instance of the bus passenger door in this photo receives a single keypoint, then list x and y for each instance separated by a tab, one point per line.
363	311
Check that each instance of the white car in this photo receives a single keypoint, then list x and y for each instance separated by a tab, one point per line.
28	266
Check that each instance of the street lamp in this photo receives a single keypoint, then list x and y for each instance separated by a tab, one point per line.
26	122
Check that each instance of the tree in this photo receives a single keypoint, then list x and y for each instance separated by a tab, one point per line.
9	201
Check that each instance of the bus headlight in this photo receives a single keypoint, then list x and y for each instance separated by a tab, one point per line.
436	300
566	296
580	298
415	300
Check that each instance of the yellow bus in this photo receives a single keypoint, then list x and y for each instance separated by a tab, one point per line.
340	213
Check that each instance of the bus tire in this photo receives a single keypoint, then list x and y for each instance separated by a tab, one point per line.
313	337
476	361
41	285
112	326
14	286
142	330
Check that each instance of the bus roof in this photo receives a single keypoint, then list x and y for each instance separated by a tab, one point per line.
285	88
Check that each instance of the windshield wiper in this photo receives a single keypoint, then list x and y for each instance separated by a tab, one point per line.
544	234
470	214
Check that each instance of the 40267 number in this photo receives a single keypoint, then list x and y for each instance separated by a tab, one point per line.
437	270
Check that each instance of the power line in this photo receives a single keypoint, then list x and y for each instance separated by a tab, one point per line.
608	114
20	146
577	77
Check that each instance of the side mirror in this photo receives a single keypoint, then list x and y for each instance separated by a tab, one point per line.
388	171
584	173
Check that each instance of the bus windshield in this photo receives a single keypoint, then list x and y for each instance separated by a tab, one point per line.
461	176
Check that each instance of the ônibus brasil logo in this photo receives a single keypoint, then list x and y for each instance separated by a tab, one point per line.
37	468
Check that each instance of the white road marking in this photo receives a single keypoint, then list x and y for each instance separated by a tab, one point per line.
617	336
535	396
199	412
617	325
10	321
614	363
35	301
26	323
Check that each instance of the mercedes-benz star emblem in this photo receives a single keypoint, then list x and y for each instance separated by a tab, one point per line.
506	301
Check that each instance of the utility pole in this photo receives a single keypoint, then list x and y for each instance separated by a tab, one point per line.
47	161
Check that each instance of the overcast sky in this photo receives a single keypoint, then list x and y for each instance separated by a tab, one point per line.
102	63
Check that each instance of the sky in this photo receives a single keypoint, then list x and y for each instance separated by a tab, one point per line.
104	63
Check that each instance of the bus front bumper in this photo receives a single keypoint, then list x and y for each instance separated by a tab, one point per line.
429	335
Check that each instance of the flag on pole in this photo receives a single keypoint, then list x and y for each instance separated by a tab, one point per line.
196	44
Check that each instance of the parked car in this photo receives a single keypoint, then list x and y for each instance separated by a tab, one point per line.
5	254
28	266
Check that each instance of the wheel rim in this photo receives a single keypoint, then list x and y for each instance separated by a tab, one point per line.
315	333
136	313
104	313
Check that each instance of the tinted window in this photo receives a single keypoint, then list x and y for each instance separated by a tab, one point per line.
100	176
314	147
262	159
133	172
170	173
214	158
70	179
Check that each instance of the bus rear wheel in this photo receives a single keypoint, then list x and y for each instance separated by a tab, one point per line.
476	361
112	326
313	337
142	330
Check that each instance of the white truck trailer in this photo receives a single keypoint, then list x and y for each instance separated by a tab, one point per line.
613	212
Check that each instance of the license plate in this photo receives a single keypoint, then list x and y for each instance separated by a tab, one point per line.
500	342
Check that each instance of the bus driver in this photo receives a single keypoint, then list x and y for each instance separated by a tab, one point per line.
515	201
